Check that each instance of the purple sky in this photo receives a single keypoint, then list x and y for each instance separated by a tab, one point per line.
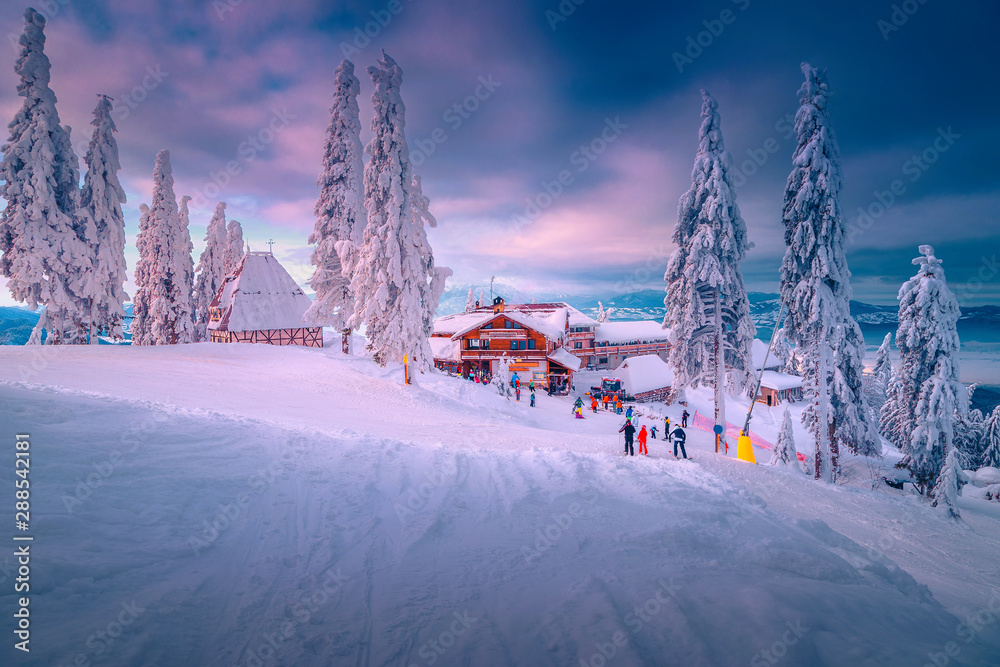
202	78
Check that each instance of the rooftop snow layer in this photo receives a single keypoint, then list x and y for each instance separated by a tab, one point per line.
645	373
627	332
564	358
261	296
445	348
778	381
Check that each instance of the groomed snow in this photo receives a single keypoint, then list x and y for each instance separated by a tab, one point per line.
358	521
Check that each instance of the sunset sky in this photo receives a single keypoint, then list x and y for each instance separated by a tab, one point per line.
202	78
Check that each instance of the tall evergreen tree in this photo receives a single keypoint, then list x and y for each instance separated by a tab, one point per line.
340	209
711	243
470	302
883	364
234	246
45	241
393	278
102	198
815	288
163	298
948	486
927	390
211	270
784	449
991	457
433	287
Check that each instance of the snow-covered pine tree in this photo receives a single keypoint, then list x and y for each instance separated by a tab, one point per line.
44	240
970	438
211	270
991	455
711	242
780	350
948	486
815	288
393	277
234	246
883	364
185	262
163	295
470	302
141	328
927	391
482	298
603	314
101	199
784	449
438	275
340	210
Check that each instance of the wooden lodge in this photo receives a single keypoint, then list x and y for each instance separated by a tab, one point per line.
260	303
777	388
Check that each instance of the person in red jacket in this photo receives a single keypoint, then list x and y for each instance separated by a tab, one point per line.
593	404
642	441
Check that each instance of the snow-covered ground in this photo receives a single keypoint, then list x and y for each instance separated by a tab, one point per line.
251	505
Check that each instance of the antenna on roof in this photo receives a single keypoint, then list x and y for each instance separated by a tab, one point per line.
270	243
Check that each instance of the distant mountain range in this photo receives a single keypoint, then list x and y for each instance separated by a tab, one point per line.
979	324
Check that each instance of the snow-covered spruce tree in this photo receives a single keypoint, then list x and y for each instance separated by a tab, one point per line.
970	438
45	242
883	364
432	290
162	306
211	270
101	199
784	449
928	394
234	247
470	302
340	209
141	314
185	259
815	288
393	277
603	313
711	242
780	351
948	486
991	455
482	298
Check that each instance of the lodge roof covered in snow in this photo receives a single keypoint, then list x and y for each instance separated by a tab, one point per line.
626	332
258	296
644	373
549	319
778	381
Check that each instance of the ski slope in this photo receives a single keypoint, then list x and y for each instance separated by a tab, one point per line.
251	505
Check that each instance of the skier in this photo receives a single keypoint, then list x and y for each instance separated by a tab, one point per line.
593	404
652	432
618	406
642	441
628	413
679	438
666	428
517	391
629	432
684	419
578	408
532	397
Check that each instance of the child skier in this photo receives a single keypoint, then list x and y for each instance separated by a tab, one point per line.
629	432
652	432
628	413
642	441
679	438
532	397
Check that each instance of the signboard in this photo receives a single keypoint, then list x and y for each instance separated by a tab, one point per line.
503	333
